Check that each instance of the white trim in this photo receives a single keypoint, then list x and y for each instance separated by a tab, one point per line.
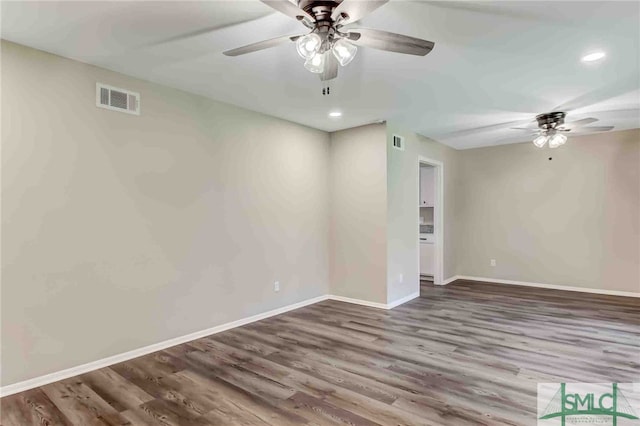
105	362
550	286
403	300
438	218
358	301
125	356
375	304
450	280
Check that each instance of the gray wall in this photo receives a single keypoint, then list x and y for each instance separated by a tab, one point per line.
122	231
359	213
573	220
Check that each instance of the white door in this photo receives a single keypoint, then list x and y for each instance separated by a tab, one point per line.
427	258
427	186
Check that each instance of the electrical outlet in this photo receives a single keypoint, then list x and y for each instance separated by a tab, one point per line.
493	262
276	286
400	278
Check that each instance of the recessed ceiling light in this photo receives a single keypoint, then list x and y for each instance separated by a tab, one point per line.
595	56
335	114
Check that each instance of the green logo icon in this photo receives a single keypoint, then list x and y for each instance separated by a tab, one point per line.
592	407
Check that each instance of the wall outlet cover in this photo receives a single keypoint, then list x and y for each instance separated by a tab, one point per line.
493	262
276	286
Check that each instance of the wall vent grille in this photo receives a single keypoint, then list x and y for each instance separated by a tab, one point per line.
398	142
117	99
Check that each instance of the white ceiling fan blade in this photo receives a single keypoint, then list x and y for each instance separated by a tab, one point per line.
289	9
350	11
261	45
391	42
330	67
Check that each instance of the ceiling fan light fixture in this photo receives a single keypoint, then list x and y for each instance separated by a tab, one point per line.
315	64
307	46
557	140
540	141
344	51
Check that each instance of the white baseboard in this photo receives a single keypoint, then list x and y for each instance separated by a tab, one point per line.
450	280
375	304
105	362
549	286
358	301
403	300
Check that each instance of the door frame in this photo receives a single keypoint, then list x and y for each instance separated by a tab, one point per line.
438	217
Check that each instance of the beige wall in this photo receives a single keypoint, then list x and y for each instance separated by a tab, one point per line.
573	220
403	211
359	213
375	212
121	231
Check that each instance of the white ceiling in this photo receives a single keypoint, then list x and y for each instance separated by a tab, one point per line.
494	62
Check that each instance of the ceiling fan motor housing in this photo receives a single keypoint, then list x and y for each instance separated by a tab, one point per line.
550	120
321	10
323	24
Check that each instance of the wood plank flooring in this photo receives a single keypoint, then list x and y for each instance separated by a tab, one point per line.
463	354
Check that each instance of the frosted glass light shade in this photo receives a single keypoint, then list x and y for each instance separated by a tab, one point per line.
557	140
540	141
315	64
344	51
308	45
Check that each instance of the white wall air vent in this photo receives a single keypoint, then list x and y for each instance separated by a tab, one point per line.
398	142
116	99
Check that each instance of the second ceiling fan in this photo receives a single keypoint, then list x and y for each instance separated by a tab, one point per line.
552	128
328	44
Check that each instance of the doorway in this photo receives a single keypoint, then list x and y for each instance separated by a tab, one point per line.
430	220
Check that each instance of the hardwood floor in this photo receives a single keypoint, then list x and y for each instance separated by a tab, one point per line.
463	354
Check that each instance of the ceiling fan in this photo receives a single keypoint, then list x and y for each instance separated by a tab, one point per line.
552	129
328	43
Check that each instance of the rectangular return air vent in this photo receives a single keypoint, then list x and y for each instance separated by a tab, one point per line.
116	99
398	142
